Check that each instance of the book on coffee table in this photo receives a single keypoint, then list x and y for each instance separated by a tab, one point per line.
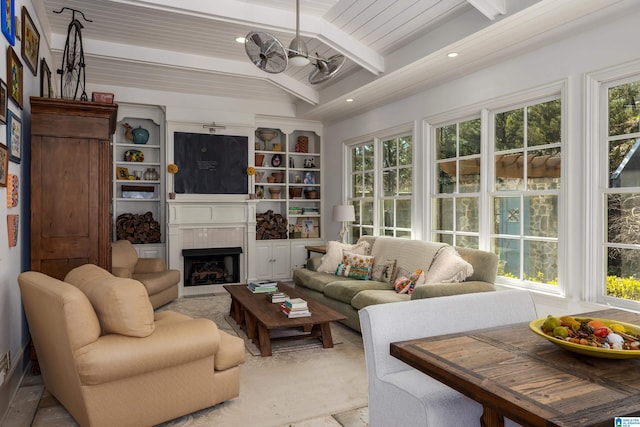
277	297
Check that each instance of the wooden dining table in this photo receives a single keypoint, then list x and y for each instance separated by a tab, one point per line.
517	374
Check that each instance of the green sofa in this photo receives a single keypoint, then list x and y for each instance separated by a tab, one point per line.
348	295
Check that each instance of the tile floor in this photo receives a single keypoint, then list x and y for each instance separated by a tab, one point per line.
33	406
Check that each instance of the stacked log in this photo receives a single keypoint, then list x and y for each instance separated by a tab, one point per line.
270	225
138	228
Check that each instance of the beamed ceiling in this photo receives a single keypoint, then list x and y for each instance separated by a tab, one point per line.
393	47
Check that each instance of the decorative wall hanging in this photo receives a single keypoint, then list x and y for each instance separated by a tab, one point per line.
12	191
45	80
4	165
3	102
30	42
8	22
14	76
14	137
12	229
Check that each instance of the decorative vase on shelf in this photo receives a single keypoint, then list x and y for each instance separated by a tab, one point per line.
151	174
140	135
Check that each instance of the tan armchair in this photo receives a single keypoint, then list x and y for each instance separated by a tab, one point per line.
161	284
109	362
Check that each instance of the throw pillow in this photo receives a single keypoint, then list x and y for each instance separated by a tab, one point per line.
400	272
355	272
405	285
361	262
122	305
333	257
384	272
448	267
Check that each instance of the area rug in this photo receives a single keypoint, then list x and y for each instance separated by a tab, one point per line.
216	308
288	387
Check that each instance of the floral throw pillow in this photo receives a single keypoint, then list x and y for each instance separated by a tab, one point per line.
405	285
362	263
355	272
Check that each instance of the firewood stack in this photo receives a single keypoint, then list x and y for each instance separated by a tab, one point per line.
270	225
138	228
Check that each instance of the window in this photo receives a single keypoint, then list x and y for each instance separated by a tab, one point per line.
456	203
622	194
526	187
382	196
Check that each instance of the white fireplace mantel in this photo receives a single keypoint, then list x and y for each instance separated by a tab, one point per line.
211	222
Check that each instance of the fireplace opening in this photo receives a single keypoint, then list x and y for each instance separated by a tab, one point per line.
211	266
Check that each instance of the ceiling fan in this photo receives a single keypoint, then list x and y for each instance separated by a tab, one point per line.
269	54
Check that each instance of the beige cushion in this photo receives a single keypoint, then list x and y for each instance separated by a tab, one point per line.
333	257
448	267
122	305
123	258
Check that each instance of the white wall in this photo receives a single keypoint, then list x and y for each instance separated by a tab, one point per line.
13	330
604	45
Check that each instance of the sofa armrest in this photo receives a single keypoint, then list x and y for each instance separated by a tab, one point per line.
314	262
113	357
446	289
149	265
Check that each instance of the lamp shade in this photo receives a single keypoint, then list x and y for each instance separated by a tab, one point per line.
344	213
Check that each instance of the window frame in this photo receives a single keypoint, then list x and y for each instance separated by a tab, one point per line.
597	118
377	139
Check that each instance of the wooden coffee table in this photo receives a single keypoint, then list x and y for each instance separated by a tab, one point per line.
260	318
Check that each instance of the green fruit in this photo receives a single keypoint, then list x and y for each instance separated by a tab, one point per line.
550	323
561	332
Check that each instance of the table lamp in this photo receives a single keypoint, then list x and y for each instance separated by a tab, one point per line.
344	213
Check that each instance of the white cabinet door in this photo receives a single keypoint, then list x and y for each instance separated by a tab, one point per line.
150	250
272	260
281	262
263	260
299	253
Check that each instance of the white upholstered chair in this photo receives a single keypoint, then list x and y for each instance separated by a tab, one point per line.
403	396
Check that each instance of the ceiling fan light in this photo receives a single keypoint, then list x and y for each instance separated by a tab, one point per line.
298	53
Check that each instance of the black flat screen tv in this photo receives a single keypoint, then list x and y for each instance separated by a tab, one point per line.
210	164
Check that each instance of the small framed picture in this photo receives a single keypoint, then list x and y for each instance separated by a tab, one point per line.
3	102
309	228
8	21
4	165
45	79
14	137
14	76
309	178
30	42
122	173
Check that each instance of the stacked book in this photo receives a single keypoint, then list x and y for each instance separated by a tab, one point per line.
277	297
263	286
295	307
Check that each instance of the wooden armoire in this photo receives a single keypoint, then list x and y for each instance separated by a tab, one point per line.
71	174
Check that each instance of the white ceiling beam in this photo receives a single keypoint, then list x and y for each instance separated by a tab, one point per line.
490	8
162	58
268	18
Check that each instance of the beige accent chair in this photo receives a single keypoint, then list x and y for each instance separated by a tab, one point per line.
111	361
161	284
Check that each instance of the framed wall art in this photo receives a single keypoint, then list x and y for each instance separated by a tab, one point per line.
30	42
4	165
45	79
14	137
8	22
3	102
14	76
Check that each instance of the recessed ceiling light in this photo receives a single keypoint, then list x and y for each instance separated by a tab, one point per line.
349	99
240	39
452	54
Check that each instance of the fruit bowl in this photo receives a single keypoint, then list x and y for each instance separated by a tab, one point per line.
536	327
